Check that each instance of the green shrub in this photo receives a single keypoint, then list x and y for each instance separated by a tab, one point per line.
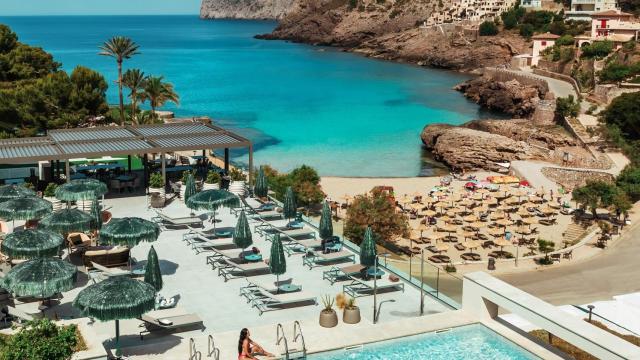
156	180
545	246
237	175
624	113
488	28
614	72
597	50
526	30
509	20
41	340
50	190
378	210
213	177
565	40
567	106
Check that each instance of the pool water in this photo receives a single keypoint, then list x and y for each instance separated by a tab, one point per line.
475	342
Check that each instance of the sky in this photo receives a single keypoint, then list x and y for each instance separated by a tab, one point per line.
98	7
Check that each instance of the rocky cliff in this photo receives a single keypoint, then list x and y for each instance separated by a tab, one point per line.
390	30
244	9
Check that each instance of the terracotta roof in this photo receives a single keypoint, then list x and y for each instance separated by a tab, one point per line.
611	13
546	36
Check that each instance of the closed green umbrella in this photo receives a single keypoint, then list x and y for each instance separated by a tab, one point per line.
116	298
40	277
32	243
242	234
261	188
8	192
25	208
277	260
190	187
81	189
66	221
129	231
368	250
96	215
152	274
290	208
211	200
326	226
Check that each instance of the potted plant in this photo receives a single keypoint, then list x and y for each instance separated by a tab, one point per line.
212	182
328	316
156	184
238	182
50	195
350	311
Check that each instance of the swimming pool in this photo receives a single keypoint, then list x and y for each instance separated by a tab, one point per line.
475	342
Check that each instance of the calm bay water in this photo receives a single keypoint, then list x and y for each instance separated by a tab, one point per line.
341	113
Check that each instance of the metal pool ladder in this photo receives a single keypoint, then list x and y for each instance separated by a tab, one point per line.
292	353
212	349
193	353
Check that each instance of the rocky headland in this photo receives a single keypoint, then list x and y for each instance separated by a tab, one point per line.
245	9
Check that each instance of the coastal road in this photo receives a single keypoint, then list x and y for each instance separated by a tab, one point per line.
557	87
613	272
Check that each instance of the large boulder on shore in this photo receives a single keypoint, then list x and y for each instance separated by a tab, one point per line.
467	149
550	137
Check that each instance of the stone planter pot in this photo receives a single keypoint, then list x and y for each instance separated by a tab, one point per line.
157	200
215	186
351	316
238	188
57	204
157	190
328	319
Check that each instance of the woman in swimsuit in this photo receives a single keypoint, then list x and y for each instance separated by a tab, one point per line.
247	348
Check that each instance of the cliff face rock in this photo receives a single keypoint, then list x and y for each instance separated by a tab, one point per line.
511	97
465	149
389	30
244	9
549	137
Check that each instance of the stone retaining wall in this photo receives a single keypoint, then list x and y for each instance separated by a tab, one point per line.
571	179
561	77
504	75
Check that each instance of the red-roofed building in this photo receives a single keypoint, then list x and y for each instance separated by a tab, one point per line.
614	25
540	43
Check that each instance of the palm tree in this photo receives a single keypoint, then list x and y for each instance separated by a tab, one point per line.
158	93
120	48
134	80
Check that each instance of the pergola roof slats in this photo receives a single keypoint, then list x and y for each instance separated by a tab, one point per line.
111	140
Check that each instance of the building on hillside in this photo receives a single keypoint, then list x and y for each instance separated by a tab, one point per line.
613	25
531	4
473	10
540	43
582	9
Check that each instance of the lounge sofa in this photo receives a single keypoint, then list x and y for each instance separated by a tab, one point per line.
106	256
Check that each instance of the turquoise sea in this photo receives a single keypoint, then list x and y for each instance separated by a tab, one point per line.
342	113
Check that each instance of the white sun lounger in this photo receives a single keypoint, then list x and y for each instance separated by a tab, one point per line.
179	222
336	274
169	320
218	255
264	282
233	270
108	272
269	302
357	288
317	258
210	245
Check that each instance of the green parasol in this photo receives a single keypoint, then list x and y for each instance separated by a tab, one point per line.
81	189
261	188
211	200
96	215
190	187
290	208
152	274
25	208
116	298
242	234
67	220
129	231
8	192
41	277
326	226
32	243
277	261
368	250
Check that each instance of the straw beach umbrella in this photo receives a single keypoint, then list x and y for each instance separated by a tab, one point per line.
277	260
25	208
81	189
211	200
32	243
368	249
8	192
129	231
40	277
290	208
152	273
190	187
325	228
67	221
261	188
116	298
242	237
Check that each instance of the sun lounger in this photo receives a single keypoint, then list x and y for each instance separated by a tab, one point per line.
218	255
439	259
108	272
471	257
19	314
336	274
264	282
215	244
167	222
233	270
317	258
269	302
357	288
169	320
